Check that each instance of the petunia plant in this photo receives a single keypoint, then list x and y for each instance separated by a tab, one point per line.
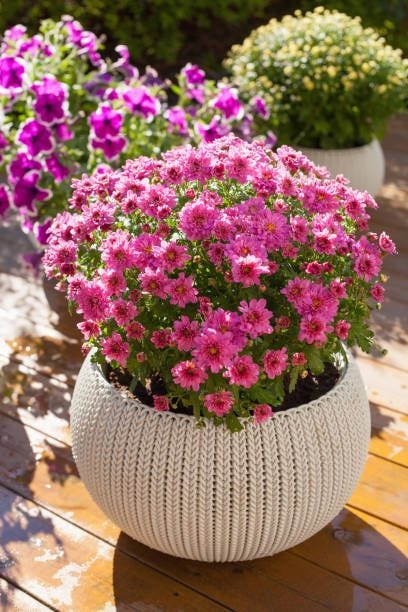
66	109
216	277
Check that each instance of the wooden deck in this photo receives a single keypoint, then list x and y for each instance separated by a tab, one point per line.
58	551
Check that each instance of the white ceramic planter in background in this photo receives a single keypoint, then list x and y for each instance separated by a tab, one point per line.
208	494
363	166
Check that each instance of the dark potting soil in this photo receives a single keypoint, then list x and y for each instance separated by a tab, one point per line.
307	389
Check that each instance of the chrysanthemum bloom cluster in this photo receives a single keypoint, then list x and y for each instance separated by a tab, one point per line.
227	271
66	110
329	82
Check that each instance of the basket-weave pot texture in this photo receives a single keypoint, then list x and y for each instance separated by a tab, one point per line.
207	494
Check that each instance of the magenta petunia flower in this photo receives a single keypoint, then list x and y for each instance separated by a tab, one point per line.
219	403
11	73
275	362
26	192
49	108
110	146
36	137
115	349
260	108
139	101
228	103
176	117
211	131
105	122
188	375
4	200
193	74
57	169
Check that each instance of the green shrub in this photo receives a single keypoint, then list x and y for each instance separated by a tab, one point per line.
156	31
329	82
388	17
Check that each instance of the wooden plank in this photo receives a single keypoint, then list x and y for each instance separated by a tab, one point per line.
383	491
37	400
39	468
385	385
13	599
389	437
368	550
72	570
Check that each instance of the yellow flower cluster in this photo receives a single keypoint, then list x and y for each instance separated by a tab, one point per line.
322	60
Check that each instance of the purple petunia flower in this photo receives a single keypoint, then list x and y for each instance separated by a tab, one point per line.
141	102
26	192
50	85
21	165
15	33
105	121
228	103
62	132
260	108
4	200
3	141
36	137
213	130
57	169
176	117
193	74
41	231
11	73
110	146
49	108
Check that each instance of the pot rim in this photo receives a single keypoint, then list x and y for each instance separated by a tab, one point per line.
344	367
359	149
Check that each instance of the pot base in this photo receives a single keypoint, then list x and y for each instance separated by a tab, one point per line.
207	494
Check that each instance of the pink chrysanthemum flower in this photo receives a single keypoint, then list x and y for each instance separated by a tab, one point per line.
255	319
161	403
161	338
154	282
188	375
115	349
219	403
88	328
247	270
313	330
92	301
262	413
213	350
181	290
242	371
184	333
342	329
275	362
123	311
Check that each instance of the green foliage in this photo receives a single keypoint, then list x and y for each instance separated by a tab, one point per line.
154	31
329	82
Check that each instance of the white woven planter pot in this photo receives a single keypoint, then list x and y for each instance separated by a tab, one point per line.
363	166
210	495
